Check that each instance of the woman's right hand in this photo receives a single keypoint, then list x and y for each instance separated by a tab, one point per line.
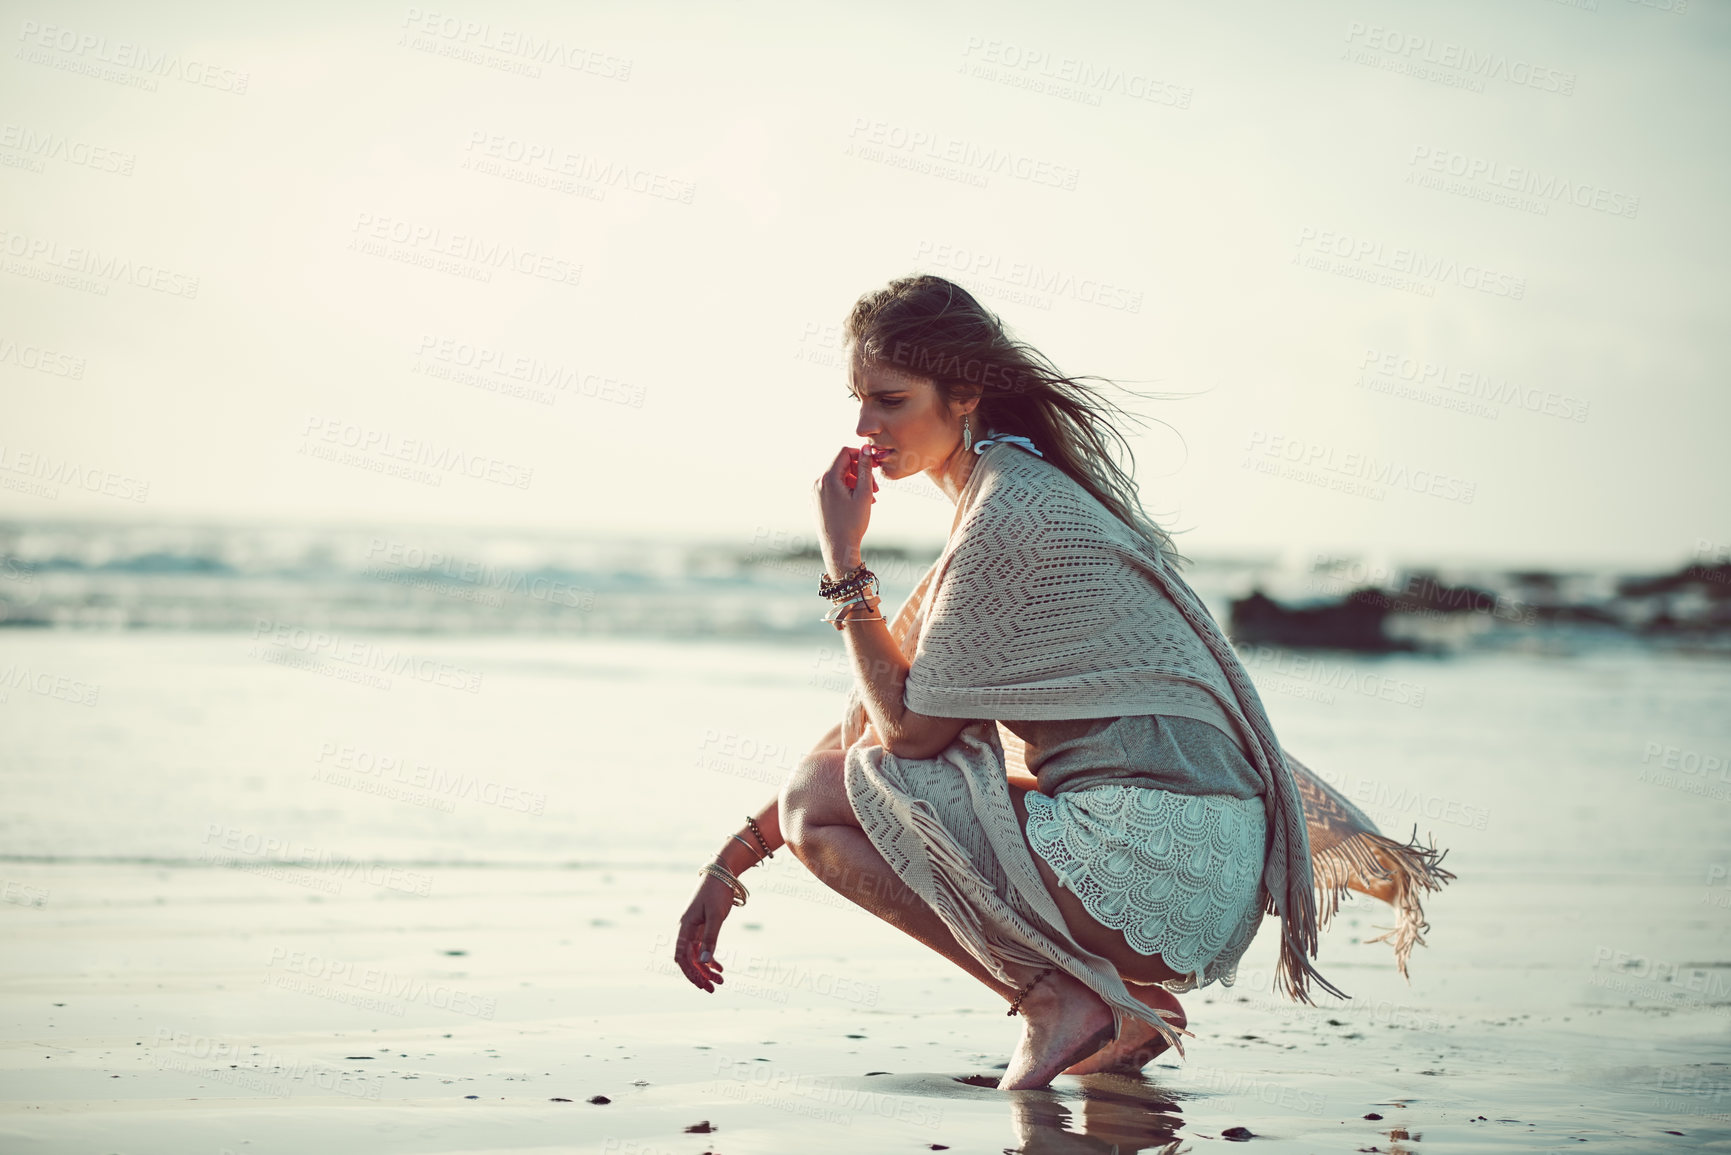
699	926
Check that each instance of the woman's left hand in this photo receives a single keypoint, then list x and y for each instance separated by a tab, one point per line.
844	501
699	927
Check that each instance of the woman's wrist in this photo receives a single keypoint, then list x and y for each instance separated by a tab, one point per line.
838	562
736	857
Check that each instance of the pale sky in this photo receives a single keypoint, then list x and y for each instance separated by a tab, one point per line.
1141	190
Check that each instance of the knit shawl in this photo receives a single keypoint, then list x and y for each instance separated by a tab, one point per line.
1045	605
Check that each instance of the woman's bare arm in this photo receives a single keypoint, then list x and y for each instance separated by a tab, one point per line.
880	668
830	741
881	671
736	857
700	926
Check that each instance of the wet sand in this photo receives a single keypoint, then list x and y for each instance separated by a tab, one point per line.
154	1009
473	991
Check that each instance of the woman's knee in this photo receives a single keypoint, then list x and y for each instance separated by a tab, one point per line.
814	795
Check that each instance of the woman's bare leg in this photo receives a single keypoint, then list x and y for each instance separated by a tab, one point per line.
1063	1021
1138	1042
821	829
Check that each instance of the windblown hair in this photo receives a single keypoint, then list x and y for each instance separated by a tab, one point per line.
929	327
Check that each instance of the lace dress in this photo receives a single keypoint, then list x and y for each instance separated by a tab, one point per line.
1157	825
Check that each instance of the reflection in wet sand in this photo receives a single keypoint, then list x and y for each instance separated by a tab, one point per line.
1094	1114
1116	1114
1045	1124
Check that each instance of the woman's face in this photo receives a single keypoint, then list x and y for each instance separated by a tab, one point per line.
905	415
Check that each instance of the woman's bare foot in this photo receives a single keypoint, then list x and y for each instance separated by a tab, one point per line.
1062	1021
1139	1044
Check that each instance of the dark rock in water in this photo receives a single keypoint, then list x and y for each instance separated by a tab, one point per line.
702	1128
1714	581
1714	619
1237	1134
601	1100
1695	600
1373	1116
557	1099
1573	615
1425	593
1354	623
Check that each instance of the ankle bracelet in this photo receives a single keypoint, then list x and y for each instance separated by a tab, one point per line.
1016	1006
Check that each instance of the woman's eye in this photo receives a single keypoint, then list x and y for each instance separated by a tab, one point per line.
888	404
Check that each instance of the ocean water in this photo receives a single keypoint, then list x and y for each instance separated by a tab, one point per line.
758	585
347	710
192	814
255	745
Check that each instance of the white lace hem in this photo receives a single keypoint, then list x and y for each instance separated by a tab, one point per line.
1179	874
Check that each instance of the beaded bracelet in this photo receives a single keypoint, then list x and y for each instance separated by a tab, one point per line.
758	834
854	589
873	586
827	586
868	586
859	579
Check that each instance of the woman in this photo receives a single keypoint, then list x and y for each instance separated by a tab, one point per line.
1163	820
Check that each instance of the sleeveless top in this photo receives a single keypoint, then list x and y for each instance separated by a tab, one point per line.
1153	751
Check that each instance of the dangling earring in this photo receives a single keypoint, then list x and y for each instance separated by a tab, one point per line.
967	435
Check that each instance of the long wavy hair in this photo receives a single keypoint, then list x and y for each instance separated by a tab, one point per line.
929	327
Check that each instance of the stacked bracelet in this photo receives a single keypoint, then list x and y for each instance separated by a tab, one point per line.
859	586
839	616
866	587
855	579
716	870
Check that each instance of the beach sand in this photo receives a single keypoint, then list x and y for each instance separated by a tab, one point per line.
479	975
